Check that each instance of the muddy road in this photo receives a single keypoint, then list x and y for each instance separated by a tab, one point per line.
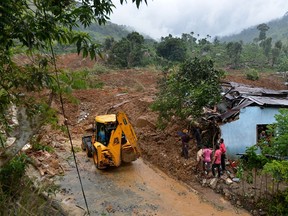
132	189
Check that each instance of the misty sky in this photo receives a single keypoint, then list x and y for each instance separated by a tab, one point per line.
213	17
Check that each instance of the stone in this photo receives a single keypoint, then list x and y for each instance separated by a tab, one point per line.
213	183
228	181
204	181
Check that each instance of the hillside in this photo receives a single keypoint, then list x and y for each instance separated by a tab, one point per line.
278	31
101	32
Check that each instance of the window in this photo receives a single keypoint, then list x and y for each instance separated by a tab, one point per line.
262	132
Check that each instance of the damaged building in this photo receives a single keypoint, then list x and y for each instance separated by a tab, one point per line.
245	112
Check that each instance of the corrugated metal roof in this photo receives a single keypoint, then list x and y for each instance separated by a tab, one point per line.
273	101
250	95
250	90
236	109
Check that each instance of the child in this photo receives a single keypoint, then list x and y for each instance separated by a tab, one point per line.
206	159
216	161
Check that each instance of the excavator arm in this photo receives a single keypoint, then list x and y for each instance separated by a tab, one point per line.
128	130
128	151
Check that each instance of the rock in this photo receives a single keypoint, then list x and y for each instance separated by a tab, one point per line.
227	194
71	209
236	180
231	175
228	181
213	183
54	164
143	121
10	141
238	203
204	181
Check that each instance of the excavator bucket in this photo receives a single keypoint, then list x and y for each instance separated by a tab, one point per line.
130	151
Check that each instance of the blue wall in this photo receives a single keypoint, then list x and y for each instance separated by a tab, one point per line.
242	133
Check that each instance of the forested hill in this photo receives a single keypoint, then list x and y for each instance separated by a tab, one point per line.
278	30
100	32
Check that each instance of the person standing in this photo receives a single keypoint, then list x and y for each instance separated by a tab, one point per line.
185	139
197	134
216	161
199	159
223	154
207	159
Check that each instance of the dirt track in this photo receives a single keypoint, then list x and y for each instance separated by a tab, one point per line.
138	189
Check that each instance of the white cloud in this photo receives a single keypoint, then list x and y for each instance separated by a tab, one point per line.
213	17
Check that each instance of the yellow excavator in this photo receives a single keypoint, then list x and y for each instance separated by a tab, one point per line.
113	141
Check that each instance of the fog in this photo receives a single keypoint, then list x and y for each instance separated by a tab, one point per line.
206	17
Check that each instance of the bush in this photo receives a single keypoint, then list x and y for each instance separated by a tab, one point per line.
252	74
11	174
100	68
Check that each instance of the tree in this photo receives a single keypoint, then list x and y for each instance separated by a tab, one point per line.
108	43
267	46
172	49
33	27
234	50
276	52
263	28
128	52
188	89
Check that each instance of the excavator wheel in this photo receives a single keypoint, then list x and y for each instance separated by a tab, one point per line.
83	146
88	152
96	162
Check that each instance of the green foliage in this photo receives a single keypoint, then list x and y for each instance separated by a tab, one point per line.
100	69
263	28
172	49
11	174
81	79
28	200
234	50
267	46
279	142
252	74
253	56
283	66
187	89
278	169
75	79
128	52
253	160
276	205
37	146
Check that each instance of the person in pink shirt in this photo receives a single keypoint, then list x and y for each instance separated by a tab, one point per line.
216	161
206	159
223	155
